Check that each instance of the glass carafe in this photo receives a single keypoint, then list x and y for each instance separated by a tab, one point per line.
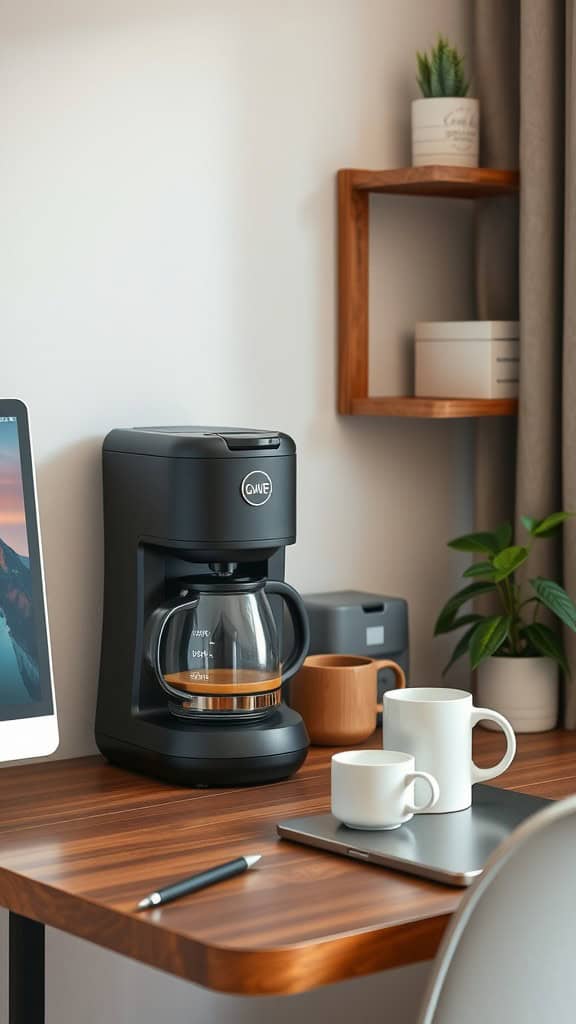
216	649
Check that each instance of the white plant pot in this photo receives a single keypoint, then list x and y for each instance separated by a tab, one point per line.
445	131
524	690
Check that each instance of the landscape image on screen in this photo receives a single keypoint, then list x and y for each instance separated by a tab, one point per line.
19	674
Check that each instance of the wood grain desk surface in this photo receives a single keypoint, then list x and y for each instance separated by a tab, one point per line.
81	842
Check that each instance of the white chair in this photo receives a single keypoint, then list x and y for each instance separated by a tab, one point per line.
509	955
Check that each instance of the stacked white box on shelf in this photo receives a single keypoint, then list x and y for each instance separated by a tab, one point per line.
467	359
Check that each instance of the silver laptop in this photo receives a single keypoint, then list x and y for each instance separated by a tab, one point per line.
450	848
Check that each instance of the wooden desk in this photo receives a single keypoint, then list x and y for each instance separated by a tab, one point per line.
81	842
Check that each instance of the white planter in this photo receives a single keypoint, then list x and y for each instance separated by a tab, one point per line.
524	690
445	131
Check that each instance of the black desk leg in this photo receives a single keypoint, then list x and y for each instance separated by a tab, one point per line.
26	971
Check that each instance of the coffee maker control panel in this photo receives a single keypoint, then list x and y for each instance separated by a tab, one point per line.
199	442
239	442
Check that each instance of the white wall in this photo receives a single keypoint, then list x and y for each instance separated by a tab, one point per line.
167	212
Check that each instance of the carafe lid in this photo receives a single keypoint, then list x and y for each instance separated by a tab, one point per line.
225	585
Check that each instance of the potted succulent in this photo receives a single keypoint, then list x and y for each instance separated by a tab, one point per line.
445	120
516	654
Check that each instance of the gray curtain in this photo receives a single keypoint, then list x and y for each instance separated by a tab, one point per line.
496	80
542	33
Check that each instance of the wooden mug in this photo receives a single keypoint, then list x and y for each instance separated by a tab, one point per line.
336	694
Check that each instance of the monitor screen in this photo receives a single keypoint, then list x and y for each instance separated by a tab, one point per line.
25	688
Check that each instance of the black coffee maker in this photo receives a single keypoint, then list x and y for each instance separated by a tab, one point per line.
196	520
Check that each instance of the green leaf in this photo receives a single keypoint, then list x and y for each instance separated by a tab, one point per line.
444	71
503	534
460	649
461	85
557	600
486	543
436	83
488	637
423	73
449	74
529	522
438	64
551	524
546	642
480	569
546	527
506	562
464	620
445	621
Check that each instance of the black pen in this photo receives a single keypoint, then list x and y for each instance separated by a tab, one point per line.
188	885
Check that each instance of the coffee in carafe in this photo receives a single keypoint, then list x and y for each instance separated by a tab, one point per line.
216	648
223	681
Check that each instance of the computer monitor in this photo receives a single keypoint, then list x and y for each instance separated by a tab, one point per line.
28	723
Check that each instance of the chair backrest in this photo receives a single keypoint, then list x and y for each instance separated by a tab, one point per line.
509	955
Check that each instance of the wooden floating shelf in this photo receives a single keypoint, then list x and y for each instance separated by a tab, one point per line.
434	408
354	188
451	182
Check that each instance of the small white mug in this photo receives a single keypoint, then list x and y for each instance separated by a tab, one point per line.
435	725
374	789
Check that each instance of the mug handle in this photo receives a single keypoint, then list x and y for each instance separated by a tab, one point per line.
484	774
398	672
434	792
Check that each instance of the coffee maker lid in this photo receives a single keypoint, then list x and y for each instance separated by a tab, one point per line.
191	442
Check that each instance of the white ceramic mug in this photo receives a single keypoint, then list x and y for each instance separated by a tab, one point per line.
435	725
374	789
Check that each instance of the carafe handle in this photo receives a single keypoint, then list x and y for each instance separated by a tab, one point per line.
157	623
300	626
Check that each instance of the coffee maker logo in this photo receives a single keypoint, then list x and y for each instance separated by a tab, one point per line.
256	487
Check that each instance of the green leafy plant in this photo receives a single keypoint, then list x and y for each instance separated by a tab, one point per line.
516	631
441	72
